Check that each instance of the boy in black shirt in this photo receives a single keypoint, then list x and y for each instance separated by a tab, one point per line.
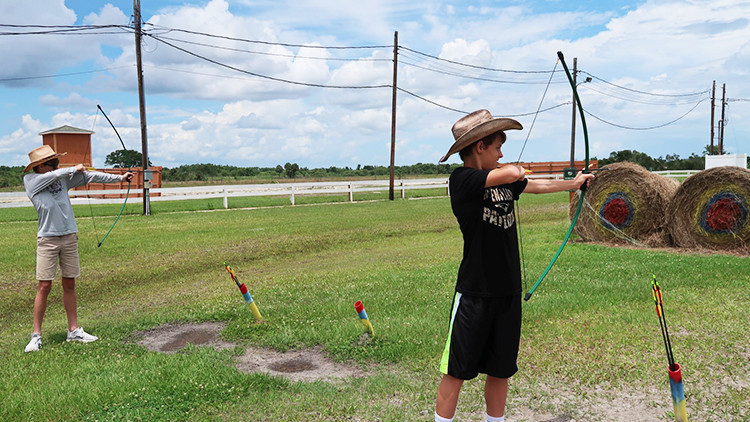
485	326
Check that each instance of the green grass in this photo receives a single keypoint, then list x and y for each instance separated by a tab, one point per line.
590	334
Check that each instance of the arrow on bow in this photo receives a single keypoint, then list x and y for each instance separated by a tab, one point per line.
129	180
583	187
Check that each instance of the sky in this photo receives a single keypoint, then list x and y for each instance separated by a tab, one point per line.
261	83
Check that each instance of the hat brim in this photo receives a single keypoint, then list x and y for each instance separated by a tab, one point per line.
480	131
42	160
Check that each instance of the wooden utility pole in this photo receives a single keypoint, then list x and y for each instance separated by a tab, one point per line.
723	121
142	105
573	119
393	114
713	105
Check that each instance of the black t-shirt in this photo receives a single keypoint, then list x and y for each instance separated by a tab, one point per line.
491	265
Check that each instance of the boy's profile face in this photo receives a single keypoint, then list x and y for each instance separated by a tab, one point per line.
489	155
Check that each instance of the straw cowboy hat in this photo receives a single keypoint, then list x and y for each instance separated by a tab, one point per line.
475	126
40	155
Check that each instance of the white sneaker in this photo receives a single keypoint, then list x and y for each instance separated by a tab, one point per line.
79	335
35	343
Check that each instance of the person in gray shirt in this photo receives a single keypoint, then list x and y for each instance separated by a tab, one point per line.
57	238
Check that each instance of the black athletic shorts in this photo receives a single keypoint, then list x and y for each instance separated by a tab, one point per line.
484	335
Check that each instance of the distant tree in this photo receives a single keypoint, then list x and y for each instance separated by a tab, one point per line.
633	156
707	150
291	170
279	170
11	176
122	158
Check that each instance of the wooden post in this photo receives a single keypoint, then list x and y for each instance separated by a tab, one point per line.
713	104
393	112
141	101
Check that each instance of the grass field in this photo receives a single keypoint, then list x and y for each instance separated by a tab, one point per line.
591	349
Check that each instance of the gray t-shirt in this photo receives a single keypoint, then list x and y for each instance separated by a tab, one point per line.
49	194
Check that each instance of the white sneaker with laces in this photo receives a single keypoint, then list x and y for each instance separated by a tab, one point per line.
79	335
35	343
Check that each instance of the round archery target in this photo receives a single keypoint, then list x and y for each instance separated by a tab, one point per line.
710	210
625	203
723	213
617	211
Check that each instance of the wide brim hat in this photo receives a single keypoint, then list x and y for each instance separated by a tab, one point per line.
475	126
40	155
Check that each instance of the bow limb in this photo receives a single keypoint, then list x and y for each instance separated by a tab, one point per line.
583	187
127	194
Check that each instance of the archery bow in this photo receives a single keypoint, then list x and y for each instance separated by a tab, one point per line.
129	180
583	187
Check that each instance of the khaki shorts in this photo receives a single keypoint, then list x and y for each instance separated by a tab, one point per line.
50	250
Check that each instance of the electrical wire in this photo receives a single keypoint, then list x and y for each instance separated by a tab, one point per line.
240	50
370	47
58	75
62	29
692	94
218	63
471	65
664	102
645	128
469	77
466	112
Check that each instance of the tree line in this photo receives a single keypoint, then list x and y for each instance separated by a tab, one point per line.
12	177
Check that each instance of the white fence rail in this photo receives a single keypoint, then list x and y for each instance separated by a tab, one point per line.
19	199
676	173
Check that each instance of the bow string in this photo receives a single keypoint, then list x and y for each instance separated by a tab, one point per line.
128	192
582	188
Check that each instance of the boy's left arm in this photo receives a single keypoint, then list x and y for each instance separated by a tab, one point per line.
550	186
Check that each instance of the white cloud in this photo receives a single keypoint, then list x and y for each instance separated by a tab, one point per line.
199	111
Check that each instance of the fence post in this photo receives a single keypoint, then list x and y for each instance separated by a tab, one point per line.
403	193
226	203
291	194
447	188
351	193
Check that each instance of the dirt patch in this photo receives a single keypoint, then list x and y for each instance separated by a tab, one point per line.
171	338
296	365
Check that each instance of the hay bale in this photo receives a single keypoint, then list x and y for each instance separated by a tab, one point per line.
710	210
625	204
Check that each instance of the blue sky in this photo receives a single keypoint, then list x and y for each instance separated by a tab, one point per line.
652	64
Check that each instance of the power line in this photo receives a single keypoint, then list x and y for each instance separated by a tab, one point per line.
370	47
467	112
64	74
471	65
645	128
265	76
62	29
469	77
632	99
240	50
692	94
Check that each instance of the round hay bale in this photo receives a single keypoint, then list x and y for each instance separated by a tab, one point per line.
710	210
625	204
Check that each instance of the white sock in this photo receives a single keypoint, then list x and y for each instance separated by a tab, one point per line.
495	418
439	418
